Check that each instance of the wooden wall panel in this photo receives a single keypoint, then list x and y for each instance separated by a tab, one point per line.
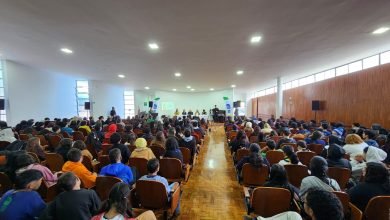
266	106
362	96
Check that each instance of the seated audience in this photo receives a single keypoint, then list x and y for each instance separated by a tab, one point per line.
321	204
241	141
302	146
376	183
254	158
369	138
63	147
131	139
336	157
267	129
319	177
74	165
74	202
83	125
315	138
79	144
189	142
6	133
117	206
148	136
116	168
248	127
23	202
173	150
159	139
115	140
153	168
289	156
374	154
354	147
26	162
34	146
111	130
286	138
278	178
270	145
141	150
196	127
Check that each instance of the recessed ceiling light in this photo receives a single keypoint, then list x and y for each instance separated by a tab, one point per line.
211	89
146	87
177	74
192	89
153	46
121	76
233	86
66	50
174	90
188	87
240	72
381	30
255	39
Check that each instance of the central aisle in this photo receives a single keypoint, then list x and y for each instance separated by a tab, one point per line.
212	191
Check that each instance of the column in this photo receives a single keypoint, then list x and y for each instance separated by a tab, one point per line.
279	98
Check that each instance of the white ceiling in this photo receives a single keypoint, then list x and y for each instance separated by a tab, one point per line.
206	40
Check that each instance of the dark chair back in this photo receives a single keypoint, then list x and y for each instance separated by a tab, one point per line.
78	135
171	169
104	185
305	157
140	164
341	175
317	148
274	156
252	176
54	161
378	208
296	173
5	183
241	153
269	201
158	150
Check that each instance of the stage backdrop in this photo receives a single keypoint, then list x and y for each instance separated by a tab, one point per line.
169	101
362	97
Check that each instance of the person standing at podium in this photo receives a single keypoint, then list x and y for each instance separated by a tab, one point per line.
215	113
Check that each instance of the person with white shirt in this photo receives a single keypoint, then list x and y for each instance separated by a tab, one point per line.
354	147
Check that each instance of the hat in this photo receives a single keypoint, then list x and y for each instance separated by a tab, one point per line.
140	142
338	131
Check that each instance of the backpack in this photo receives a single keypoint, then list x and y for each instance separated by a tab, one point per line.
17	145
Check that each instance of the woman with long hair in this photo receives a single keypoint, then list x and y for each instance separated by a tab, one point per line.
278	178
376	183
290	156
117	206
254	158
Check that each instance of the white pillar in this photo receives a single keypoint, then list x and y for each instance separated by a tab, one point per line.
279	98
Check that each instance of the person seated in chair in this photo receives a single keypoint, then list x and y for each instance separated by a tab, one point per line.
141	150
153	168
23	202
196	127
116	168
115	140
75	165
286	138
255	159
74	202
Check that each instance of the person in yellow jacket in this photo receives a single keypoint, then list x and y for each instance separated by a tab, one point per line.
141	150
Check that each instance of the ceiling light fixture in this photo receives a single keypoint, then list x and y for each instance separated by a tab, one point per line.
121	76
66	50
233	86
146	87
192	89
153	46
188	87
240	72
255	39
174	90
177	74
381	30
211	89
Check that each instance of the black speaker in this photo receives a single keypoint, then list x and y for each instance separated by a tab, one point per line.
2	104
87	105
315	105
150	104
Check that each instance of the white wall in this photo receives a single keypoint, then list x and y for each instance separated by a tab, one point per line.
140	97
104	96
184	100
33	94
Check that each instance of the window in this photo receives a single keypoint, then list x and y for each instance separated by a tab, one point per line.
3	114
82	96
329	74
371	62
294	84
385	57
287	86
306	80
319	76
129	103
355	66
342	70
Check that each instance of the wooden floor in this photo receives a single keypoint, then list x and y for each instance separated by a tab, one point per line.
212	191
